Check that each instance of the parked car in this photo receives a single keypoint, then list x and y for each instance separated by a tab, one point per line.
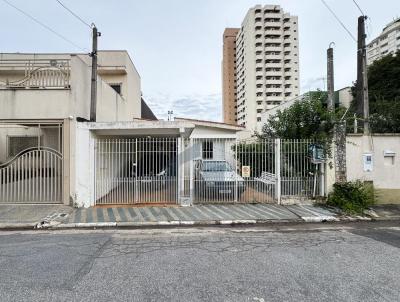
216	179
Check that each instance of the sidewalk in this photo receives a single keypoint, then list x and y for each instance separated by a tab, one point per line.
194	215
29	216
385	212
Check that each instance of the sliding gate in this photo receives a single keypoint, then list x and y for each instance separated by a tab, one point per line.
136	170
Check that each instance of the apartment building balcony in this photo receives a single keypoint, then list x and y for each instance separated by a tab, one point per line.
273	48
259	48
274	98
260	57
273	82
270	106
258	22
275	90
273	73
275	16
273	65
273	39
273	57
259	98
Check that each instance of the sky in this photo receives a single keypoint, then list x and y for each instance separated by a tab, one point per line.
176	45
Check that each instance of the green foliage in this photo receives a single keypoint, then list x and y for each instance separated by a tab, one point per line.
352	197
305	119
384	95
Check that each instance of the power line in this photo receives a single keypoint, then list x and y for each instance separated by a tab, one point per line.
341	23
44	25
75	15
359	8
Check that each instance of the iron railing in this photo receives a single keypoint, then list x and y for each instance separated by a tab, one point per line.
39	73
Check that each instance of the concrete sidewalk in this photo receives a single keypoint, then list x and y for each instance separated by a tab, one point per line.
195	215
30	216
385	212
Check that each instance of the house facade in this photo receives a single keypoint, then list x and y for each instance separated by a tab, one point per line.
42	99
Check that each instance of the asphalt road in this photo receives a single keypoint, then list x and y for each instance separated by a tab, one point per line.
358	262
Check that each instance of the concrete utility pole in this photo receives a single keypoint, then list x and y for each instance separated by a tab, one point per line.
362	75
93	88
330	78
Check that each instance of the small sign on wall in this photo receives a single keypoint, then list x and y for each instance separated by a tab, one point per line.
245	171
368	162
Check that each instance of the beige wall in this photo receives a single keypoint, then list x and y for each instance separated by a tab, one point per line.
386	170
60	103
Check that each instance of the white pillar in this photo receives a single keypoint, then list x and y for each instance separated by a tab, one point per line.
278	169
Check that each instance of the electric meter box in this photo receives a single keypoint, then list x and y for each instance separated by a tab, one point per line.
368	162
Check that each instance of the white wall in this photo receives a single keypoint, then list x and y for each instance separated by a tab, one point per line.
84	167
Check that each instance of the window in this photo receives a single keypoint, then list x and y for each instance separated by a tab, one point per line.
17	144
207	149
116	87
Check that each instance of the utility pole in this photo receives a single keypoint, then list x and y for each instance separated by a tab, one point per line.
93	87
362	76
330	78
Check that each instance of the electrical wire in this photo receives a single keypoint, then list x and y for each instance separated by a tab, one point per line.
359	8
337	18
44	25
75	15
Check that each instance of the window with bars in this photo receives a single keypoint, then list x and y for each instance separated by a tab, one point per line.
207	149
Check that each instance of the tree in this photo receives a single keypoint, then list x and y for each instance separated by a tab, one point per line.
305	119
384	94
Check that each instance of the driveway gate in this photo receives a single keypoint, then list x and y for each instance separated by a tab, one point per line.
136	170
252	171
31	163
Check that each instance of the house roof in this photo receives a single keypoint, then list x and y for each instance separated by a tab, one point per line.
146	112
211	123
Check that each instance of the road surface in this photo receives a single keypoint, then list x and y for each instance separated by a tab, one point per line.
307	262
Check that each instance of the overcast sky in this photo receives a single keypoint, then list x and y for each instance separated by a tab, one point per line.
176	45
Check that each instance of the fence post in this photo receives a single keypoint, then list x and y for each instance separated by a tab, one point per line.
278	169
191	171
236	171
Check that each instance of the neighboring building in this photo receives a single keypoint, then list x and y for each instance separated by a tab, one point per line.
342	97
388	42
267	63
229	75
57	86
43	98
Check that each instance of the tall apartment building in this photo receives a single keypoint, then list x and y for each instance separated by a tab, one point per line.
229	75
267	63
388	42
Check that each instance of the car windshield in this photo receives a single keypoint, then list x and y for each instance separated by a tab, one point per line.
214	166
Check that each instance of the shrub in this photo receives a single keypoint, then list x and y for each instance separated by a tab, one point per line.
352	197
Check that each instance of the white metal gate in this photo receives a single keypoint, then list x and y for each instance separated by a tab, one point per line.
31	163
33	176
136	170
251	171
227	171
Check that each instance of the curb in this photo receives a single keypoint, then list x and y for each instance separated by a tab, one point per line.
17	226
174	223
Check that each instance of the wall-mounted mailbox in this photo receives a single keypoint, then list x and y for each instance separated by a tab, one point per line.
389	153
